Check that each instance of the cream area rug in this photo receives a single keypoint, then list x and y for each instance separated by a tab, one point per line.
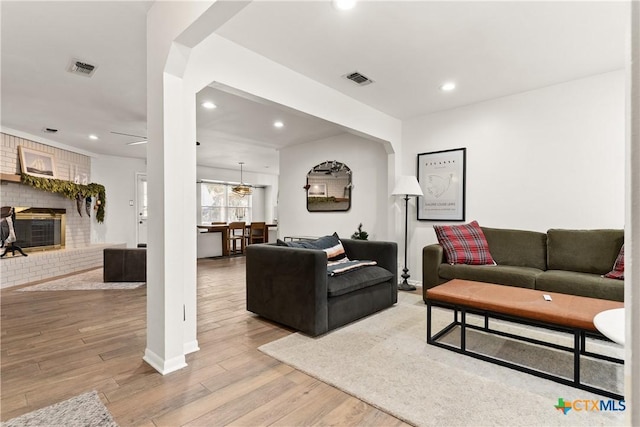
85	410
87	281
385	361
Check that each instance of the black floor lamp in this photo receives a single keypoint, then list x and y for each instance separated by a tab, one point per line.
406	186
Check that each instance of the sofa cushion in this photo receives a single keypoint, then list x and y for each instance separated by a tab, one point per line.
524	277
464	244
517	247
357	279
618	267
584	251
582	284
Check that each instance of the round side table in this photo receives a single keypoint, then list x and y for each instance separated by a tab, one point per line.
611	324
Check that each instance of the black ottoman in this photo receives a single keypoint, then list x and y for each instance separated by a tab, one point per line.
125	265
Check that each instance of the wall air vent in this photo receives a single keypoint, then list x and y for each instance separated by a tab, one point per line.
81	68
358	78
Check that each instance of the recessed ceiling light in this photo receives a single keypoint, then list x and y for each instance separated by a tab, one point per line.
344	4
448	86
209	105
93	136
278	124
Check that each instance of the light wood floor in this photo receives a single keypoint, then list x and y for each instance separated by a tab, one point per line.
58	344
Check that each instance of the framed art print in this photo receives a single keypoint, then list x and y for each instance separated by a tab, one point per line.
37	163
441	175
318	190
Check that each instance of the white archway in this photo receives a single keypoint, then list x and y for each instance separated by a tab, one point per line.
183	56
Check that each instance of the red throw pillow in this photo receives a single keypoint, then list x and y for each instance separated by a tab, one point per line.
464	244
618	267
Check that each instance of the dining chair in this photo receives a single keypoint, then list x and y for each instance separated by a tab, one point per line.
257	233
236	234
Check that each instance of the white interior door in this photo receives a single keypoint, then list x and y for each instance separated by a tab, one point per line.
141	206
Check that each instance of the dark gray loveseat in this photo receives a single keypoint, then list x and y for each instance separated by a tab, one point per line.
564	261
291	285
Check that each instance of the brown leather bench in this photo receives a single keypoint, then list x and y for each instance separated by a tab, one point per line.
567	313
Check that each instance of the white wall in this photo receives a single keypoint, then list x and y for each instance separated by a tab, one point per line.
632	229
548	158
118	175
368	162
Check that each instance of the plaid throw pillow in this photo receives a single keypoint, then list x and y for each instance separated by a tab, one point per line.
618	267
464	244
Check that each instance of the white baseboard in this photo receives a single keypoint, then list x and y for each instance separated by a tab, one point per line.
164	366
191	347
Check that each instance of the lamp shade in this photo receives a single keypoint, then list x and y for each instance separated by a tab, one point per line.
407	185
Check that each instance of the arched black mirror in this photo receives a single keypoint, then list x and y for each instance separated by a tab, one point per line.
329	187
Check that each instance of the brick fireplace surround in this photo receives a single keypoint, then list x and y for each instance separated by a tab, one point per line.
79	254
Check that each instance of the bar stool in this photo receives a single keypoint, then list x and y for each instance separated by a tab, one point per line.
235	237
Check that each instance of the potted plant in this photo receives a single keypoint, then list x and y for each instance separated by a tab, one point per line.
360	234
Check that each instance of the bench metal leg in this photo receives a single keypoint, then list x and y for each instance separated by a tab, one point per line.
463	330
577	349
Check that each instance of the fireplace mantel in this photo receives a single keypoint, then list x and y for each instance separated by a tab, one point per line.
10	177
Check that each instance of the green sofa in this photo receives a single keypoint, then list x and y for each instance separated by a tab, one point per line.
564	261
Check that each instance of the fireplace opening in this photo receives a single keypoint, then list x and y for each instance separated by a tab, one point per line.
40	229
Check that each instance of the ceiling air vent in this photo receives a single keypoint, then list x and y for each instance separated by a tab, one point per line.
49	130
358	78
81	68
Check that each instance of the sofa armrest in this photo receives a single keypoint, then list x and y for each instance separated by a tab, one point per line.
432	257
384	253
288	286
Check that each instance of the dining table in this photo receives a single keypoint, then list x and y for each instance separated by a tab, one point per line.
224	229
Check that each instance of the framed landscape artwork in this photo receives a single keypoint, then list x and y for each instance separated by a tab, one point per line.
318	190
37	163
441	175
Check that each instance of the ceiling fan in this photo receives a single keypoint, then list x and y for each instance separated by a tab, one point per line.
139	139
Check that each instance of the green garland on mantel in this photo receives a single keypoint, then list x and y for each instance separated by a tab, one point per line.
70	190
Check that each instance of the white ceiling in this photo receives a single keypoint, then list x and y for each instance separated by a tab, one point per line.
241	129
409	49
490	49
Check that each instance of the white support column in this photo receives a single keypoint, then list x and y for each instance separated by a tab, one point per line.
189	252
632	228
171	166
167	276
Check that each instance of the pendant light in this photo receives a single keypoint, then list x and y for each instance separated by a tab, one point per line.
242	189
